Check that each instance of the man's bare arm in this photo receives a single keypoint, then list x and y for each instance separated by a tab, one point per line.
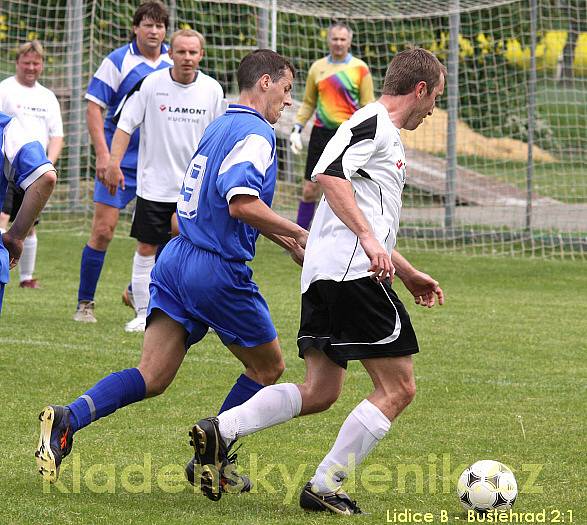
95	120
341	199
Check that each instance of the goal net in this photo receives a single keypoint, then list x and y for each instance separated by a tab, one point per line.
473	182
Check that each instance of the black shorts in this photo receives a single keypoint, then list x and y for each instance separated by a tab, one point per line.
318	140
357	319
13	201
151	222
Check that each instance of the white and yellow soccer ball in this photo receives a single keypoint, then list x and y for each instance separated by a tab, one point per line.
487	486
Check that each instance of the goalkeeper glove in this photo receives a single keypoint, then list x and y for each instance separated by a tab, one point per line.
295	140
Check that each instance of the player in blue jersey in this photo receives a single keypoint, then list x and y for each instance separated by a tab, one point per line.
115	77
201	278
24	162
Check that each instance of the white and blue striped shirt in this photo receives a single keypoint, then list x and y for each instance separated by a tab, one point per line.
115	77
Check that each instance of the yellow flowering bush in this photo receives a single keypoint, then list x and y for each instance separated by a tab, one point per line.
549	49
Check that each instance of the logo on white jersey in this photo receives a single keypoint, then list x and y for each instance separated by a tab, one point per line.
401	167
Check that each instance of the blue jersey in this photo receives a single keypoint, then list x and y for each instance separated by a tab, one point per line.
236	156
22	160
115	77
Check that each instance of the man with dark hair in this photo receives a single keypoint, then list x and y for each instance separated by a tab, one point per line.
201	278
337	85
349	310
115	77
37	108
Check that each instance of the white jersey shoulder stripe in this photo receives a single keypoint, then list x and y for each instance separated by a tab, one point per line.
254	148
109	74
96	100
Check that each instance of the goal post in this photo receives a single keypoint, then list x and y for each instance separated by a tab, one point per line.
473	182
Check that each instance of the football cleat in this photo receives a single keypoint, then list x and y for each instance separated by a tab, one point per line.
128	297
30	283
137	324
231	482
55	441
337	502
85	312
217	469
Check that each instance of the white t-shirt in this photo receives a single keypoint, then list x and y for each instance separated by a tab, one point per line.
36	108
366	150
172	117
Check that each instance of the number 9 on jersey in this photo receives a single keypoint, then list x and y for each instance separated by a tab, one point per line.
187	204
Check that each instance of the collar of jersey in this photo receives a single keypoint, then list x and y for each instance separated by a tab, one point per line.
345	60
238	108
134	48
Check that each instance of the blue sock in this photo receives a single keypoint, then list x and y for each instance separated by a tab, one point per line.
243	390
91	266
106	396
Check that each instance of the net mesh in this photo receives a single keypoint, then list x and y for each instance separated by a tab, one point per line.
504	203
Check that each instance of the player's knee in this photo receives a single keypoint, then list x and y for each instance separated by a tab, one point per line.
408	391
101	236
327	400
400	397
316	398
269	375
146	250
155	386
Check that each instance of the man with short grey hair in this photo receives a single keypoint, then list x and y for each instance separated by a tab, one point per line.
37	108
337	85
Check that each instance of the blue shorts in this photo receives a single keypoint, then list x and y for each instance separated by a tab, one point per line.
122	197
199	289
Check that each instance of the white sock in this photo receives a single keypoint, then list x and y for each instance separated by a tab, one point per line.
270	406
141	277
364	427
26	264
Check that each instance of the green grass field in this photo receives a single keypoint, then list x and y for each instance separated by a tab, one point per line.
501	375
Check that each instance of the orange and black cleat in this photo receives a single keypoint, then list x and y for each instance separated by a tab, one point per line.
55	441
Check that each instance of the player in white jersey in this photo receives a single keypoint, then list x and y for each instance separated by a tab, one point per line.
37	108
349	310
173	107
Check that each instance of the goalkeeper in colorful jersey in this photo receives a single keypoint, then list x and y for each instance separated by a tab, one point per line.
337	85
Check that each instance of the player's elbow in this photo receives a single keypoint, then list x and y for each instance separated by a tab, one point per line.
235	210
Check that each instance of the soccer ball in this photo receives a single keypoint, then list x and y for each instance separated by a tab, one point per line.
486	486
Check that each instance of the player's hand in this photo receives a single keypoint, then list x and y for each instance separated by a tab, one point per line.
295	140
101	166
14	247
297	254
424	288
302	237
114	178
381	264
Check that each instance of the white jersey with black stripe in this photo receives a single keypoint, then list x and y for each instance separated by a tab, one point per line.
366	150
